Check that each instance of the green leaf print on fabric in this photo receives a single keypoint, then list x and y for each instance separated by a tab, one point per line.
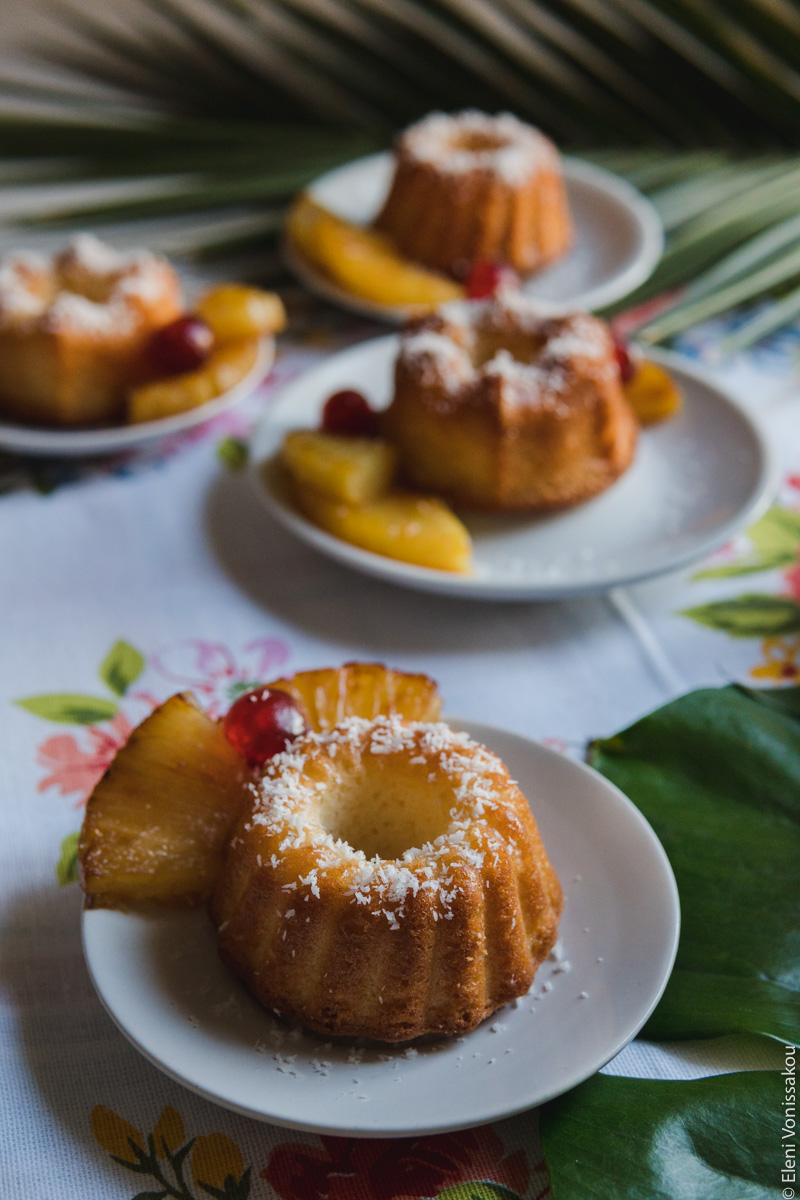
751	615
478	1189
233	452
70	708
776	542
121	667
216	1167
67	865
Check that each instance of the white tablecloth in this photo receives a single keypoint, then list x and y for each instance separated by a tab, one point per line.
173	554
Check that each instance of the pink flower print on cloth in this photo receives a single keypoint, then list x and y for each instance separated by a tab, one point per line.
214	674
73	768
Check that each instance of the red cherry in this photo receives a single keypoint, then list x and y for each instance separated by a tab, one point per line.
183	345
486	278
627	367
349	413
262	723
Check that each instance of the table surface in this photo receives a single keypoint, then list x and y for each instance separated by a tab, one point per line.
171	553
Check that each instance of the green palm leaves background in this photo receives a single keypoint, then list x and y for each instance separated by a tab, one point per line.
224	108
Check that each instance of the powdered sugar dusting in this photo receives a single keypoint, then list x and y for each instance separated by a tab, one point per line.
88	287
438	358
534	350
475	141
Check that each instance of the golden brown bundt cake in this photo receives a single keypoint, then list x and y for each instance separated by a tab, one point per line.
72	329
498	406
472	186
388	881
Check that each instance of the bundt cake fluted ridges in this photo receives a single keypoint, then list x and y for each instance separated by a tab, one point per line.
472	186
499	406
388	881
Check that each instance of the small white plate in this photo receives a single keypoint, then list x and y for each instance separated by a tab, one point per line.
695	481
111	439
160	979
618	239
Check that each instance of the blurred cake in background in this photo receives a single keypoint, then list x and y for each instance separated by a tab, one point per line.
471	187
72	329
501	405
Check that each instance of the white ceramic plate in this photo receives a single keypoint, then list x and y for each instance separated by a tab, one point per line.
160	979
111	439
695	481
618	236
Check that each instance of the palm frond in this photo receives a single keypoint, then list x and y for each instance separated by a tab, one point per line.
222	108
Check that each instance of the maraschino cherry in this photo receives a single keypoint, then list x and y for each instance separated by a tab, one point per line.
486	278
349	413
181	346
627	367
262	723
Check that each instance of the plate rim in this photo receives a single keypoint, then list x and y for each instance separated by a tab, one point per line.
478	730
465	587
621	284
75	443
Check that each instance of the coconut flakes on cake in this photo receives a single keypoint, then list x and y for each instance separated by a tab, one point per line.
285	797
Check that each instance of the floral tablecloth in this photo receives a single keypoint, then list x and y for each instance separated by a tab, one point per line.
126	580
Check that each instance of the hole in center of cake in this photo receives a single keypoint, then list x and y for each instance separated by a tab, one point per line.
386	807
520	346
474	142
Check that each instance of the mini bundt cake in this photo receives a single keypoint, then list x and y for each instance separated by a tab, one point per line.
72	328
498	406
387	881
472	186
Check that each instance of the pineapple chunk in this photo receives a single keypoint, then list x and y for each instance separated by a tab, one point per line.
225	367
156	822
229	363
234	311
364	262
652	393
415	529
361	690
351	469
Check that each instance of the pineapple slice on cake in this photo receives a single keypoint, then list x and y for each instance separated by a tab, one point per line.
359	689
652	392
364	262
227	365
156	822
412	528
351	469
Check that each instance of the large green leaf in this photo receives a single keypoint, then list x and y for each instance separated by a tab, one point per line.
231	105
717	774
615	1138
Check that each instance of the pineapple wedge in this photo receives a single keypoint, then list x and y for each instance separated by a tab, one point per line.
156	822
361	690
415	529
350	469
652	393
225	367
234	311
362	261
